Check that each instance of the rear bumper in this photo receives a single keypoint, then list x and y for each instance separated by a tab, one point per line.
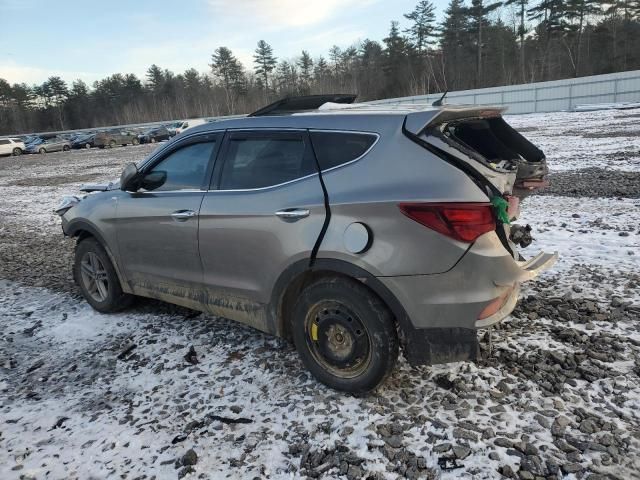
479	291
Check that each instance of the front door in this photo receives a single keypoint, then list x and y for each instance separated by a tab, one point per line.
264	212
158	228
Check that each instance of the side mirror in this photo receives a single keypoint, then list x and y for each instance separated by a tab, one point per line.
129	178
153	180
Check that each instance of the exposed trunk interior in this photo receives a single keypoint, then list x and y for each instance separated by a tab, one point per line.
494	139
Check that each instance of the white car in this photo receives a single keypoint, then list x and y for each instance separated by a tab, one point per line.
11	146
194	122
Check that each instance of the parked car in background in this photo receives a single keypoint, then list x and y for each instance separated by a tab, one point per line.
84	141
352	231
31	139
111	138
56	144
11	146
156	134
172	127
187	124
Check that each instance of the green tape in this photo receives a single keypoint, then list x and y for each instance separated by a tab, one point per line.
501	207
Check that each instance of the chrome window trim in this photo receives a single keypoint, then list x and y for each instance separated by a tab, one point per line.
155	192
306	176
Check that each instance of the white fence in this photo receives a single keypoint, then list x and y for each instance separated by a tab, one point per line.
551	96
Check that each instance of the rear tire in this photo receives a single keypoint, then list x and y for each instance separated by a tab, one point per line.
153	140
17	151
42	151
66	148
135	141
87	145
97	279
345	335
112	144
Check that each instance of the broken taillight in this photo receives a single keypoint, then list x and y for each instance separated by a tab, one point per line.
461	221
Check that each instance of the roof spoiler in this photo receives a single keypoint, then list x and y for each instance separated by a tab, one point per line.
303	103
417	122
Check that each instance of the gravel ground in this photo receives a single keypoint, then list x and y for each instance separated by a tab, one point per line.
164	392
594	182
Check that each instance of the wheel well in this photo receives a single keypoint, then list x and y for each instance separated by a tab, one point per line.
298	284
82	235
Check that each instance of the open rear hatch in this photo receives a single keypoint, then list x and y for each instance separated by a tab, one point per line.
480	137
504	164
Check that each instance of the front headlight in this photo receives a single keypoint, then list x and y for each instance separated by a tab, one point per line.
66	204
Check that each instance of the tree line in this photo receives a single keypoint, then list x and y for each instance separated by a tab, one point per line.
477	44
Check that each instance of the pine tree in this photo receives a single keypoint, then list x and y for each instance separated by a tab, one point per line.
396	61
522	30
423	29
305	62
455	44
265	62
478	12
576	13
155	78
226	68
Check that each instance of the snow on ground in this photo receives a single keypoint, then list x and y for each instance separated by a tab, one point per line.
85	395
606	139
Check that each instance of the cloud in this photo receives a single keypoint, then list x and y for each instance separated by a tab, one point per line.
281	14
17	73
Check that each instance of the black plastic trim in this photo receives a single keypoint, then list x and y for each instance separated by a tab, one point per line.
302	103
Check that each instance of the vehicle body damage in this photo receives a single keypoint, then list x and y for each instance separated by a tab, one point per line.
271	215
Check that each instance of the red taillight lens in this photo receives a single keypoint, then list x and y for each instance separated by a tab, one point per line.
461	221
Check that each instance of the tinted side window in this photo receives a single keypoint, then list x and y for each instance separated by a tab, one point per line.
264	161
4	142
186	167
335	148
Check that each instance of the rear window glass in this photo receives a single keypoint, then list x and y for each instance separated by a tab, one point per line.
337	148
264	162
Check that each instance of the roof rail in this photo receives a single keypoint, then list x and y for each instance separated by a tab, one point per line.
297	104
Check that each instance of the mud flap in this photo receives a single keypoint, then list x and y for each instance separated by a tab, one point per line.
432	346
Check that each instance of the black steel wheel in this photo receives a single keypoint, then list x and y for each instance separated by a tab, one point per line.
345	335
98	281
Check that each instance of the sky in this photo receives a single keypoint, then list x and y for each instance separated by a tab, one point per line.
91	39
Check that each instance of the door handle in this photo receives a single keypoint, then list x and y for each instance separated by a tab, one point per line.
292	213
183	214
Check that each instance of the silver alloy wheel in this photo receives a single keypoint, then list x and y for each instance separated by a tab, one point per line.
94	276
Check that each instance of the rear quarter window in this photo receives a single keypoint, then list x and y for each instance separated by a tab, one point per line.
337	148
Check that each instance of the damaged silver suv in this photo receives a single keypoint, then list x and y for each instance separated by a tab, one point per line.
354	230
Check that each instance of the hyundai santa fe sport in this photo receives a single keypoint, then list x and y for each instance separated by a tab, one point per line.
355	230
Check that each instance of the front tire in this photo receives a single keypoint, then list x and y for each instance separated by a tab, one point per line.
112	144
98	281
135	141
17	151
66	148
42	151
345	335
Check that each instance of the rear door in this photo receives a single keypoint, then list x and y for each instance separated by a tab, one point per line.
264	211
158	228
